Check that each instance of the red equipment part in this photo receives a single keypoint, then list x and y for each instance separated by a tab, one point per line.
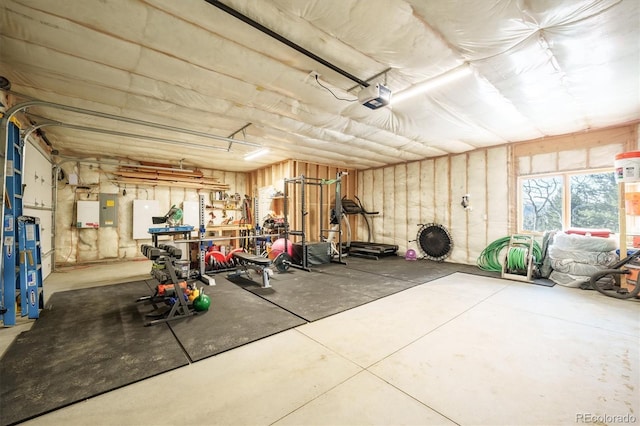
169	289
230	255
599	232
278	247
218	256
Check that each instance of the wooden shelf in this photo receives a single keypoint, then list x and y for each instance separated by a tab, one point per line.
221	231
164	176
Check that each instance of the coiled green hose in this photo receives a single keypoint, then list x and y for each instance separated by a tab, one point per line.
489	259
517	258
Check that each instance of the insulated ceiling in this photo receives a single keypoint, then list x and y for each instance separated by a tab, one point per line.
497	71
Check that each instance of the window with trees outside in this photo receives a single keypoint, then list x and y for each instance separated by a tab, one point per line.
568	200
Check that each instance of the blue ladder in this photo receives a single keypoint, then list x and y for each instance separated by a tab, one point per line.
12	208
30	266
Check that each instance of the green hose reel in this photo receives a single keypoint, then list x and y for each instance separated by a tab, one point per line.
522	252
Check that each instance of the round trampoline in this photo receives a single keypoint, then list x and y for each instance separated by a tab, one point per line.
434	241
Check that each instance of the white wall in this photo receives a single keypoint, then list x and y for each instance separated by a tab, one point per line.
430	191
427	191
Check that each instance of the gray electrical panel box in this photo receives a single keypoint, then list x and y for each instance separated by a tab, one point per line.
108	210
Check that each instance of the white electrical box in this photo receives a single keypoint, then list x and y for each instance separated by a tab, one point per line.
88	214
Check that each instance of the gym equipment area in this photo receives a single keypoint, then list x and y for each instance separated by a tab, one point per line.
319	250
319	212
206	295
111	319
209	294
366	248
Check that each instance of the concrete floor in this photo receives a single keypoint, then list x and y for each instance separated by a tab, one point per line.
463	349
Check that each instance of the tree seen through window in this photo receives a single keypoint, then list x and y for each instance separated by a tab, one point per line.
592	199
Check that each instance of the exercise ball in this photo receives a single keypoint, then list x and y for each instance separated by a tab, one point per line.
410	255
278	247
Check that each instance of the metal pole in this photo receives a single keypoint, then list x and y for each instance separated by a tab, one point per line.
338	210
304	218
321	207
4	132
124	134
22	106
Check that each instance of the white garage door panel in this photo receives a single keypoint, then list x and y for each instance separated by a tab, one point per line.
38	200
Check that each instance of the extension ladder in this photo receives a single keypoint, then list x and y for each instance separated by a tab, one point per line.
12	209
30	266
20	261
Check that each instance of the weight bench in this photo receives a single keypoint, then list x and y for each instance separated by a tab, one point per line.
246	261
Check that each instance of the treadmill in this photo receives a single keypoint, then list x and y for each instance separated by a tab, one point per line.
367	248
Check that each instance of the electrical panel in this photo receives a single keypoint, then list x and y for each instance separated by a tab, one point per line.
88	214
109	210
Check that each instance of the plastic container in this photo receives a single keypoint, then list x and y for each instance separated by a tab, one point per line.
627	165
182	268
632	203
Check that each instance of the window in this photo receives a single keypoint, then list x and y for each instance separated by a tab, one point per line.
560	201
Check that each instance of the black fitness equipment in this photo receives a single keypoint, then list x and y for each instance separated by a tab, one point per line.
247	261
170	300
434	241
306	253
367	248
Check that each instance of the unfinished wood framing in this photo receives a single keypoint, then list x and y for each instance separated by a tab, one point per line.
405	195
73	245
576	151
275	175
430	191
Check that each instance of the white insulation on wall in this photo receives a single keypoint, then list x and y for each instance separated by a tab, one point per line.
430	191
75	245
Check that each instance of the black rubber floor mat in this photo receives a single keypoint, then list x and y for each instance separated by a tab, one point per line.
86	342
327	290
417	271
236	317
423	271
543	282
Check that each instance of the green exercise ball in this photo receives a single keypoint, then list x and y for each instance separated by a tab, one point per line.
202	303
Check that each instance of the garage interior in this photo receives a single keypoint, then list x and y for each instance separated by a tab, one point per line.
320	212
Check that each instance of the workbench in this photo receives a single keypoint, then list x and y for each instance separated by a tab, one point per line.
184	230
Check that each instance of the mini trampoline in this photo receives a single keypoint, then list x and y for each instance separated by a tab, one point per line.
434	241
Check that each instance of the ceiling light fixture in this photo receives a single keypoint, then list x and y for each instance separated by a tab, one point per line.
255	154
431	84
